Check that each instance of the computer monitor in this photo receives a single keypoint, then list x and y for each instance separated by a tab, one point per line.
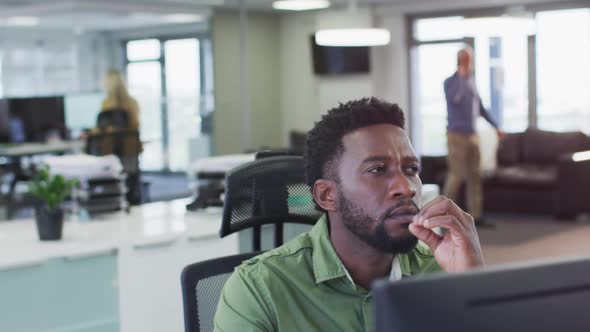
41	117
81	109
4	122
545	297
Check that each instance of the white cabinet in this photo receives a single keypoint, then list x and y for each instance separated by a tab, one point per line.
71	293
149	276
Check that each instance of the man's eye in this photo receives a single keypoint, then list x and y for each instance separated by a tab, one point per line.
377	169
412	170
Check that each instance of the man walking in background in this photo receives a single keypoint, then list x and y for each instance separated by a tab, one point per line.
464	107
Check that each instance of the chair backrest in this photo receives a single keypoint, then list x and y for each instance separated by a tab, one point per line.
267	191
115	118
201	289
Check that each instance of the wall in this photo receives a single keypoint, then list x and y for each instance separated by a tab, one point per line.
263	81
306	96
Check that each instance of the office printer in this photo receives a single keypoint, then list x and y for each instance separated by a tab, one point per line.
210	178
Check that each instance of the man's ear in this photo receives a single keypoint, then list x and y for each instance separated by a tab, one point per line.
325	194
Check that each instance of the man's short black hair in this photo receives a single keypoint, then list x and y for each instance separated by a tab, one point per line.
323	146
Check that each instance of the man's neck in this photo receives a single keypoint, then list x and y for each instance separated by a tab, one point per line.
464	73
364	263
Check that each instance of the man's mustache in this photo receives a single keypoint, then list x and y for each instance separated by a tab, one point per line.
402	208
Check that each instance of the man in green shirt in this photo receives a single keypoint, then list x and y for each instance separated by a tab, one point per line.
364	175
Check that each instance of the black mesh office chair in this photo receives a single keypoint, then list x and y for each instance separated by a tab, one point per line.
267	191
114	118
201	289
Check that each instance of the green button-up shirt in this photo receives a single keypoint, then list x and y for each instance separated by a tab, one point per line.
303	286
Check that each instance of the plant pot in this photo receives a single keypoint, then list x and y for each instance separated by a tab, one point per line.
49	223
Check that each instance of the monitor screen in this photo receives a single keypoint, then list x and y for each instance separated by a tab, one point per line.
41	117
541	297
4	122
81	109
331	60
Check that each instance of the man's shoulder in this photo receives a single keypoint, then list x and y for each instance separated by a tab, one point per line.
286	257
451	78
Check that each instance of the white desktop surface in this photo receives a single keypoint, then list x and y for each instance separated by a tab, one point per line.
150	224
29	149
151	245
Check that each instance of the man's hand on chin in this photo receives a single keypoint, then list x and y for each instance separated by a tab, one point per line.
458	250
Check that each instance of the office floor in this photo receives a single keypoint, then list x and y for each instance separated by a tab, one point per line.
524	238
165	187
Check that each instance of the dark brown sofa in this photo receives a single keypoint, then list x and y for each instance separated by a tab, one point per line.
535	173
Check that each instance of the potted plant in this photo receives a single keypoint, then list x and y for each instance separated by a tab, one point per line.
51	190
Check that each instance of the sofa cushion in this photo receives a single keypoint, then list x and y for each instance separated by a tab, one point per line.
540	146
525	175
509	149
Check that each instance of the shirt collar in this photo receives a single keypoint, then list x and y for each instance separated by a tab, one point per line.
327	265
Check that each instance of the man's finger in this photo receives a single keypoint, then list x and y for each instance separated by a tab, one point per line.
429	205
437	207
448	222
443	206
430	238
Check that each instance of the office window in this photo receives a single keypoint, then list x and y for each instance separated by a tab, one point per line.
169	91
563	70
440	28
145	84
501	58
145	49
433	64
183	88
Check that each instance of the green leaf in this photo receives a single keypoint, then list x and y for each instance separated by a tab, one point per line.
52	189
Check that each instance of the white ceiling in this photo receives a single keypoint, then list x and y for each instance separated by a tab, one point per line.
105	14
121	14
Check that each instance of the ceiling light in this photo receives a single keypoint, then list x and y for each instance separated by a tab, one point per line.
300	4
182	18
353	37
21	21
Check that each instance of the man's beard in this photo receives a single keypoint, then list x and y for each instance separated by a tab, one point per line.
360	223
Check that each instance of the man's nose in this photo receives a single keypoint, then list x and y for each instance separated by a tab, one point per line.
401	187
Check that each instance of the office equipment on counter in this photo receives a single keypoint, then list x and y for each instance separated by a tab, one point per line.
210	177
533	297
125	144
101	186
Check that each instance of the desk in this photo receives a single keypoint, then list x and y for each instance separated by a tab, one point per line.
21	150
32	149
118	273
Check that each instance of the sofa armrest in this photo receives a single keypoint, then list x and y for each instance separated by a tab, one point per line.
573	184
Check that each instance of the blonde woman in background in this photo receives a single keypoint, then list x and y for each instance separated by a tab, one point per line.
118	98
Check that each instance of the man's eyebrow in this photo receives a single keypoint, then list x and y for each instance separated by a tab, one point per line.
374	158
406	159
410	159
